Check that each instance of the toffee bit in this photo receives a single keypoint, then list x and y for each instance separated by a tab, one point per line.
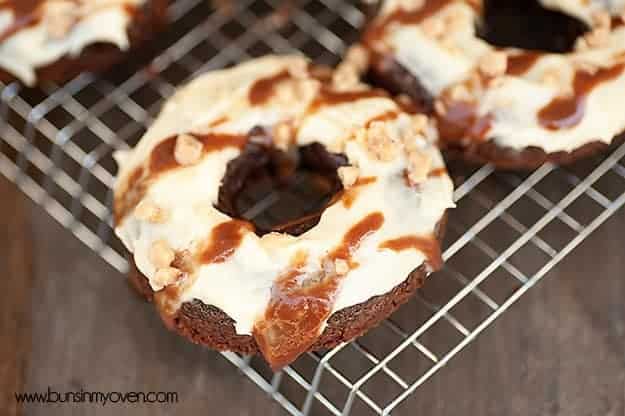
188	150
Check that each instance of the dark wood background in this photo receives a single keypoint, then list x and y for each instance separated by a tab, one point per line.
68	320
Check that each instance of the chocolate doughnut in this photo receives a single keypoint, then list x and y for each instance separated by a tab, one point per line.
55	40
288	285
512	83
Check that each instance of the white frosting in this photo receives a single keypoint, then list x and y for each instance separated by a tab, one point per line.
515	101
584	9
241	286
33	47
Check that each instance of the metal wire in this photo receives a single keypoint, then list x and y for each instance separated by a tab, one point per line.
56	145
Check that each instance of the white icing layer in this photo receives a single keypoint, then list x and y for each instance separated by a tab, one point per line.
445	60
34	46
241	286
584	9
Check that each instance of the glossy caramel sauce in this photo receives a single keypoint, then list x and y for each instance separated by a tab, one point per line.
569	111
131	9
294	317
521	63
162	157
297	310
21	7
162	160
438	172
217	142
320	72
329	97
429	246
218	121
348	196
25	13
385	116
461	122
263	89
355	236
129	197
403	17
224	240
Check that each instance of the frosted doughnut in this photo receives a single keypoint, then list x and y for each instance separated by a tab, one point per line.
381	226
53	40
513	107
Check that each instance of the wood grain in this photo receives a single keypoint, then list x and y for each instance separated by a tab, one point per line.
559	351
15	291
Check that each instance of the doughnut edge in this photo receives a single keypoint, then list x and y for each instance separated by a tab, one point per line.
99	57
502	157
209	326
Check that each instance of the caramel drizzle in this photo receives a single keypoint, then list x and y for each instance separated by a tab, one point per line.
25	13
348	196
385	116
427	245
263	89
567	112
521	63
461	122
356	235
162	160
405	17
162	157
21	7
330	97
296	312
225	239
408	17
437	173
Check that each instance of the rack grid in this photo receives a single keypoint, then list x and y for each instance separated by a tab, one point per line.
508	231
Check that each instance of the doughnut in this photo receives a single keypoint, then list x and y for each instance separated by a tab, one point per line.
55	40
513	83
296	283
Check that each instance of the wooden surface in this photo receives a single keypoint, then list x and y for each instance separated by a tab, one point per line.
15	286
559	351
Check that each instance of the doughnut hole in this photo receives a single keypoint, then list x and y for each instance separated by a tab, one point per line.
528	25
280	191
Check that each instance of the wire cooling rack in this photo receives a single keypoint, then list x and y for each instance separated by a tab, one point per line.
508	231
